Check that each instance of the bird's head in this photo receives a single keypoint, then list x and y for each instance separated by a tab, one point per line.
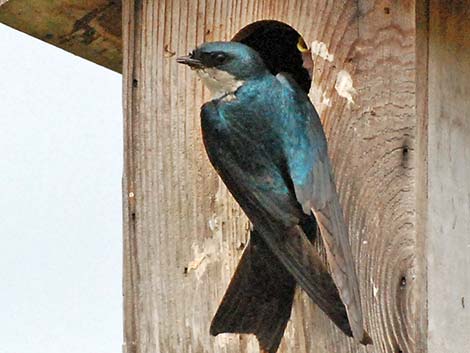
224	66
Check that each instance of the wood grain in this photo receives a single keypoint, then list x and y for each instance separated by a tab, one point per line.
448	226
422	71
88	28
184	233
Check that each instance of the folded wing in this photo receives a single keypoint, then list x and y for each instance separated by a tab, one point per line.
312	176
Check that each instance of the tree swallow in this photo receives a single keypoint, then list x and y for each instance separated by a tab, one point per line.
265	140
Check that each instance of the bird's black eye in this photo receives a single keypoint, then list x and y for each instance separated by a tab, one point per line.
218	58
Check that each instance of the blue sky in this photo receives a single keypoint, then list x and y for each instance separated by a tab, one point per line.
60	210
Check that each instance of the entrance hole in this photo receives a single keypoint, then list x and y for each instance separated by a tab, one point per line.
277	43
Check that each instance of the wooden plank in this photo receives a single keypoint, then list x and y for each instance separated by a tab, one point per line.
422	70
372	145
183	231
88	28
448	247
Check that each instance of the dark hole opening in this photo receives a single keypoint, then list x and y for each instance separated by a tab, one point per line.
276	42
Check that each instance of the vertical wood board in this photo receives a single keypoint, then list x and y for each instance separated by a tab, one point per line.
184	233
448	246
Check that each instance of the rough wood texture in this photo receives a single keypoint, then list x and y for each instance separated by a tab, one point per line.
88	28
183	231
448	247
422	30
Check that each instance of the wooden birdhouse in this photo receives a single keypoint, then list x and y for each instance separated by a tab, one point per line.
391	81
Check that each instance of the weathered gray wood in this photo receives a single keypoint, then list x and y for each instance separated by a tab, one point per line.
372	144
422	32
448	246
183	231
88	28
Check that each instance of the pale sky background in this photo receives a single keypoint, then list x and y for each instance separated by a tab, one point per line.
60	208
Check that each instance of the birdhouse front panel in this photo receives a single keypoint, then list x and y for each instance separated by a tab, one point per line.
185	233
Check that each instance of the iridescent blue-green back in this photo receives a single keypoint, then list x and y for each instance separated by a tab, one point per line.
263	143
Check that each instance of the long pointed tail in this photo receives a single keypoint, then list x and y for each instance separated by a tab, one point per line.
259	297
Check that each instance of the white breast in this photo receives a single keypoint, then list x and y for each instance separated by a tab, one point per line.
220	83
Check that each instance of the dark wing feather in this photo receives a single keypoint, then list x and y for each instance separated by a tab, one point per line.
316	192
327	210
293	249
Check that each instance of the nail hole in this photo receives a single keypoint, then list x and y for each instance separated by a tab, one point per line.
405	151
403	282
185	271
387	10
135	83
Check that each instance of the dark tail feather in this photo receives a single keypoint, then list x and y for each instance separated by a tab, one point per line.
299	257
258	299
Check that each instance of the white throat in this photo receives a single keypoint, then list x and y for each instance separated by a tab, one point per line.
220	83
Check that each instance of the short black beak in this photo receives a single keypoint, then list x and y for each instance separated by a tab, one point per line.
187	60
